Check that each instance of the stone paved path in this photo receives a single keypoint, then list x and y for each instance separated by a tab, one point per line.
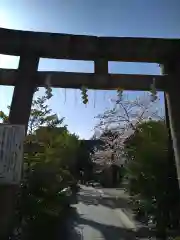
96	218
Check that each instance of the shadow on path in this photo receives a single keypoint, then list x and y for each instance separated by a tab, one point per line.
109	232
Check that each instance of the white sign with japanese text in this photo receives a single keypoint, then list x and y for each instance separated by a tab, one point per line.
11	153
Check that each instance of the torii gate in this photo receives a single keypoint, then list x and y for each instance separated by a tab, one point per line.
31	46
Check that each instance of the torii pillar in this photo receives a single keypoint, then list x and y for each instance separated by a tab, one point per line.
172	93
19	114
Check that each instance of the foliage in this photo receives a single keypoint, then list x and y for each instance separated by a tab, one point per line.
47	170
41	114
41	199
146	150
3	117
149	173
59	145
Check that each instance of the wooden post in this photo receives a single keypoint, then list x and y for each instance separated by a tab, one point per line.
172	182
101	70
24	90
172	95
101	66
19	114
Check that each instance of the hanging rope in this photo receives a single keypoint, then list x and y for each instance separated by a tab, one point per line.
153	91
64	95
162	69
75	97
48	86
119	95
94	98
104	95
84	94
48	81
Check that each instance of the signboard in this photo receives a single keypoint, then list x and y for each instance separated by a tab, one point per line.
11	153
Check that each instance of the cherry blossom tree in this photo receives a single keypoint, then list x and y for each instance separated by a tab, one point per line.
116	124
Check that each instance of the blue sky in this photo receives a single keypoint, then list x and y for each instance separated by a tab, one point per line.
133	18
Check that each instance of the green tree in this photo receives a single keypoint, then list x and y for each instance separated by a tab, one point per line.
48	167
41	114
3	117
59	146
148	170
